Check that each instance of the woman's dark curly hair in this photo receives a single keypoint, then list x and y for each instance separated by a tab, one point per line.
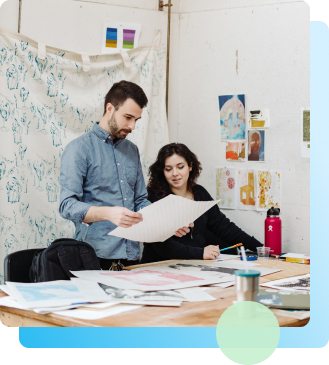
158	184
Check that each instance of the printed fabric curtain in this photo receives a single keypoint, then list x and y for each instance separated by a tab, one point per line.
47	98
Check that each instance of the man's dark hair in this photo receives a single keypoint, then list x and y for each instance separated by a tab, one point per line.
123	90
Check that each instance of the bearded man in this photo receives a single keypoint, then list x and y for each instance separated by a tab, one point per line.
102	184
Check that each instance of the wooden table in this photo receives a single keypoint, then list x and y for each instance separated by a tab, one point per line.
189	314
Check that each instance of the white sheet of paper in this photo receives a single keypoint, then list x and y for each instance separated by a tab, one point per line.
147	279
301	282
299	314
163	218
6	289
94	315
225	285
223	257
196	295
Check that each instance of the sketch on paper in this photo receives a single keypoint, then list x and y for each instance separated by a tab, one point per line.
268	189
117	294
259	118
294	283
236	151
226	187
232	116
118	36
256	145
246	189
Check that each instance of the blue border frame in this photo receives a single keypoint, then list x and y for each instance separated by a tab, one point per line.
315	334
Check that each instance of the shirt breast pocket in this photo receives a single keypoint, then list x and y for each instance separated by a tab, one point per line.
131	174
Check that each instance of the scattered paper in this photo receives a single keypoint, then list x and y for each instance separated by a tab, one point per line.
225	285
294	283
47	294
147	279
298	314
163	218
196	295
90	314
223	257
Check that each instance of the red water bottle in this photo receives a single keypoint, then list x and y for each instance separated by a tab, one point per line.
273	231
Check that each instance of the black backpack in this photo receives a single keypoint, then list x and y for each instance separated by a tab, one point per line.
63	255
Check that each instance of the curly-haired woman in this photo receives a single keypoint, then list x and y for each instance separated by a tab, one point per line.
175	171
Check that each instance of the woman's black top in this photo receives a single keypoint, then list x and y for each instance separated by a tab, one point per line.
212	223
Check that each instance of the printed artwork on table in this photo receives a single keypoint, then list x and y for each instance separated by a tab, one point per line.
45	104
226	187
259	118
256	145
118	36
246	189
268	189
236	151
232	116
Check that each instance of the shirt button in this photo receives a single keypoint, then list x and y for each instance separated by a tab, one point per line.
104	140
122	181
125	199
118	164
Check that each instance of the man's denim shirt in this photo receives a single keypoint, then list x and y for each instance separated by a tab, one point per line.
96	172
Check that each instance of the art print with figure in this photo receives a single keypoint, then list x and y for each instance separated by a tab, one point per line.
256	145
232	116
268	189
226	187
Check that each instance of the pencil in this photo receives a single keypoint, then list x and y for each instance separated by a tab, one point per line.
227	248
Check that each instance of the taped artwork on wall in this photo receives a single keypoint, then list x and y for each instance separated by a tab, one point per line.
118	36
246	189
268	189
226	187
45	104
236	151
259	118
306	133
256	145
232	117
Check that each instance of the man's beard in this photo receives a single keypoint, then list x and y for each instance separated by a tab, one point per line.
114	129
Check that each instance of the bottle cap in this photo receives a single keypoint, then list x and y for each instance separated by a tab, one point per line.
273	212
248	274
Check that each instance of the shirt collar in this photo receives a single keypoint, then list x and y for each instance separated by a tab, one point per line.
103	135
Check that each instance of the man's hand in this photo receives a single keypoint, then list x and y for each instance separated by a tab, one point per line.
210	252
123	217
183	231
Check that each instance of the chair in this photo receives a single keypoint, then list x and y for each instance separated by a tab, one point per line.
248	189
17	266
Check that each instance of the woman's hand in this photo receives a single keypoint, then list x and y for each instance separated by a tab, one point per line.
210	252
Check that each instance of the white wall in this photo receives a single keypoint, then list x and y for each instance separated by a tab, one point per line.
273	71
9	15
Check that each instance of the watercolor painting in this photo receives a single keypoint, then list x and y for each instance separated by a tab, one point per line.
306	133
232	116
119	36
246	187
259	118
268	189
236	151
256	145
226	187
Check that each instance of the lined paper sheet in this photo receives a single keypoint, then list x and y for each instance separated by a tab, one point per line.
163	218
